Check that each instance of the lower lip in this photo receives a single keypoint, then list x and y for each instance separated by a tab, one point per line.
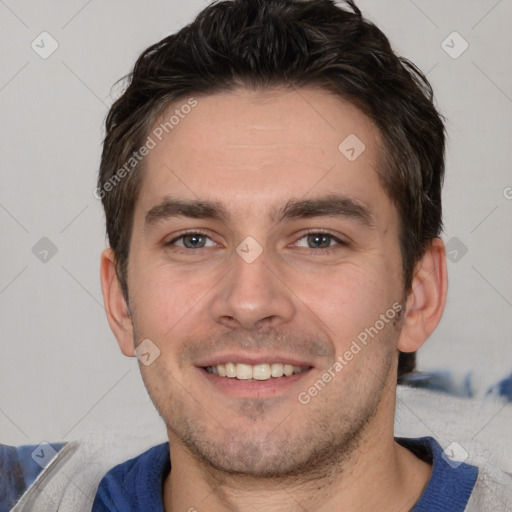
253	388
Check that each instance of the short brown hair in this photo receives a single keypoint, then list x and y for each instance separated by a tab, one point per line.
293	43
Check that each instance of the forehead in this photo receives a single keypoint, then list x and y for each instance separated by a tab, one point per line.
252	150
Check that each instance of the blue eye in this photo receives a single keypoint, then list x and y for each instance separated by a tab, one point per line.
317	241
191	240
320	240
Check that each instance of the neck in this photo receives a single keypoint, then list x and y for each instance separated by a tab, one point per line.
374	473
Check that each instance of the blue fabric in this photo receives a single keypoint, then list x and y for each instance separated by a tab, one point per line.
18	471
503	388
445	382
11	478
449	486
137	484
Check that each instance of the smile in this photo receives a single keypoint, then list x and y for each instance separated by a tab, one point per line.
262	371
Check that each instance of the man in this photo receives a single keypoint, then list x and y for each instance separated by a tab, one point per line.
271	180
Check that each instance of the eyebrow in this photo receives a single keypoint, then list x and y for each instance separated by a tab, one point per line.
332	205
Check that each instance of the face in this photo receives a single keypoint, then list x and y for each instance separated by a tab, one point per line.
262	246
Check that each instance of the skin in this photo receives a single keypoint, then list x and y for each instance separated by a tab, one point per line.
252	152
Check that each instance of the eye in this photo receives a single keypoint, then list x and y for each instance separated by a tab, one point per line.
191	240
315	240
320	240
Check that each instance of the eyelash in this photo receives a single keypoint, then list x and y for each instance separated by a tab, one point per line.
307	233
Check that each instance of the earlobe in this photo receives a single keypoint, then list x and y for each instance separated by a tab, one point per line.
427	298
116	308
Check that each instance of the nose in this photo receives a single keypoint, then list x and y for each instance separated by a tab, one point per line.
253	295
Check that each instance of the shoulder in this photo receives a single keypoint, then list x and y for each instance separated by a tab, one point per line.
139	465
134	483
458	421
493	489
452	480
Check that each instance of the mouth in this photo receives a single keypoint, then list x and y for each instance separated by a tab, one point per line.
254	372
253	376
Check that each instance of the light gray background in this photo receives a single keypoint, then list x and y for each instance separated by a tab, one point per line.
60	367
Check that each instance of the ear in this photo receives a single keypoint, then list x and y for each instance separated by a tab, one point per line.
427	298
118	312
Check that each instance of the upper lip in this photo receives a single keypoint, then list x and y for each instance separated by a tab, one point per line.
252	359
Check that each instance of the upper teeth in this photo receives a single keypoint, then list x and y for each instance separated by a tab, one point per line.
262	371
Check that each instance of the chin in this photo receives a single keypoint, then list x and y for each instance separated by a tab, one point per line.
252	459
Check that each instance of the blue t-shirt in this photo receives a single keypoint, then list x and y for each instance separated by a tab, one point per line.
136	485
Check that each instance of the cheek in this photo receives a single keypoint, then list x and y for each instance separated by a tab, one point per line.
167	298
160	305
350	299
